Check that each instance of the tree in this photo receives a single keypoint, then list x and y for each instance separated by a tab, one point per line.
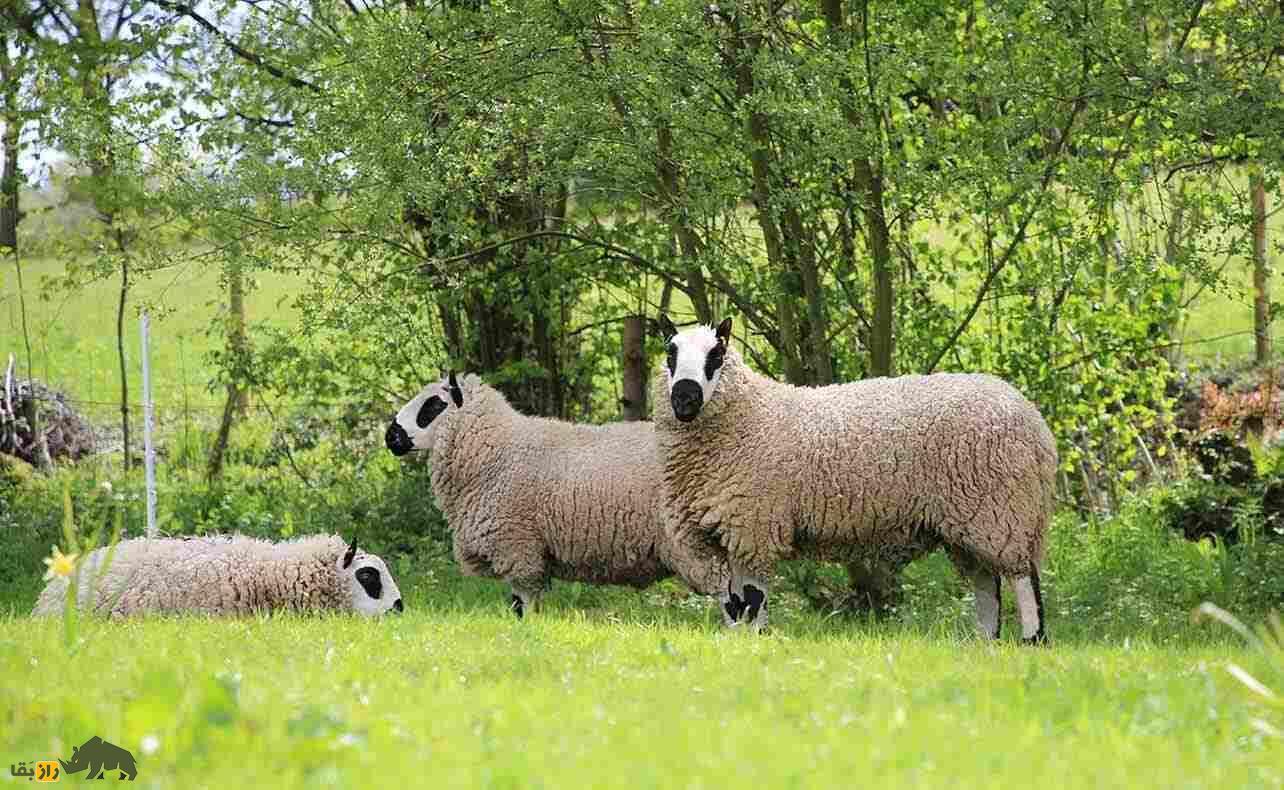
87	55
871	187
1261	271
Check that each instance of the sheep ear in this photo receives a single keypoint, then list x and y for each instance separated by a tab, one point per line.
667	329
351	554
723	332
456	394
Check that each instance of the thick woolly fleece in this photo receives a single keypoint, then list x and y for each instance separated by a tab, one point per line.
529	499
215	575
890	468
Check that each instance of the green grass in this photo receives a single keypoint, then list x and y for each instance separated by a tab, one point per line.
454	696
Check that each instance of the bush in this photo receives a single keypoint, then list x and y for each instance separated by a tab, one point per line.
1134	572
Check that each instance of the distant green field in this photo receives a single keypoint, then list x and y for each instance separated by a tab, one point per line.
73	335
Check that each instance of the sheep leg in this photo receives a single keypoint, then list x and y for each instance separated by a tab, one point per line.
732	607
985	588
524	598
748	596
1030	605
874	584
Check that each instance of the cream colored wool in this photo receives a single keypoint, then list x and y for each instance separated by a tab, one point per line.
890	468
218	576
530	499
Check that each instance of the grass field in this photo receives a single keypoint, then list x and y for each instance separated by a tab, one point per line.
463	697
73	335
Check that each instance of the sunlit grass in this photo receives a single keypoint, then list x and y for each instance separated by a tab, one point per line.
73	334
469	697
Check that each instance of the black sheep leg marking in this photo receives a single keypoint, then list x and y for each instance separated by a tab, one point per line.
749	594
732	607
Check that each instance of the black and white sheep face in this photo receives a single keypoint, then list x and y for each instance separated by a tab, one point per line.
371	589
416	423
693	360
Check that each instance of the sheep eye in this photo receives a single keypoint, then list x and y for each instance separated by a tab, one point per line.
370	582
429	411
673	356
712	362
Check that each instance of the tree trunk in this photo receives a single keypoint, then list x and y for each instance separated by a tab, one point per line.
822	368
219	449
633	386
120	350
1173	239
238	347
9	217
881	339
237	338
688	241
869	180
9	150
745	46
1261	271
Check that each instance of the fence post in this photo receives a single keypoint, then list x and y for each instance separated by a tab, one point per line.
149	449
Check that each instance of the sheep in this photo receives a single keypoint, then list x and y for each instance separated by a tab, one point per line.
531	499
227	575
887	468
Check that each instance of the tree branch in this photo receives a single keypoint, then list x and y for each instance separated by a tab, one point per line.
1017	240
241	52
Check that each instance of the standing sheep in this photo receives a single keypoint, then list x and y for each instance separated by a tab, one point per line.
888	468
531	499
227	576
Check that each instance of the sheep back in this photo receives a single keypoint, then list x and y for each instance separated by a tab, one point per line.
210	575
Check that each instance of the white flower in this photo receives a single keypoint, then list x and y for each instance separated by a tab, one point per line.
150	744
105	486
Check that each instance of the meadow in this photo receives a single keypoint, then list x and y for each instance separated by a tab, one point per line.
455	697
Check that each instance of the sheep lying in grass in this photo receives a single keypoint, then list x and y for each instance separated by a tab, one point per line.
888	468
530	499
227	576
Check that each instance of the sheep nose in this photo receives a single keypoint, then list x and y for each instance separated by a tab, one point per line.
398	440
397	606
687	398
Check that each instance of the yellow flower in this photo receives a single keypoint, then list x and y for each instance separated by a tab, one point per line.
60	564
